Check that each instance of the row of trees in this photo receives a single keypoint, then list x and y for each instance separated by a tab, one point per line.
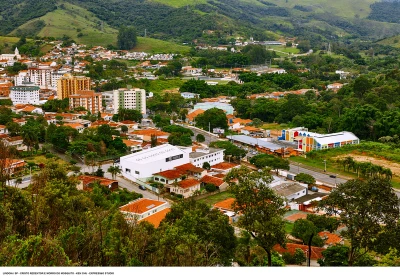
365	169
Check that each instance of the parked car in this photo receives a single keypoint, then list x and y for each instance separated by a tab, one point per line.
142	187
332	176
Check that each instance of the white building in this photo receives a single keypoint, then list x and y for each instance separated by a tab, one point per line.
27	94
144	164
211	155
189	95
291	191
134	98
11	57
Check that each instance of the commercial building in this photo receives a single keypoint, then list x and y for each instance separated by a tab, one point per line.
134	98
211	155
28	94
68	85
87	99
308	141
142	165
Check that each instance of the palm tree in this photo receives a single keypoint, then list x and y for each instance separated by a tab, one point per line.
114	170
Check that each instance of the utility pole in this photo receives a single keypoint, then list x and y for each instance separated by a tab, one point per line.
145	33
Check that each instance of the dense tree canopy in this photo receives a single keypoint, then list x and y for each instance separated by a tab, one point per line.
367	209
127	38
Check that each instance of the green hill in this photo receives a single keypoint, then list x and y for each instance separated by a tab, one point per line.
73	21
211	21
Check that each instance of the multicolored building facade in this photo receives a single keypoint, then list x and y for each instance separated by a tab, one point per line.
308	141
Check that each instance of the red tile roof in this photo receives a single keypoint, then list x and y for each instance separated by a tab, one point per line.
188	183
149	132
171	174
224	165
316	252
86	179
226	204
189	167
194	114
141	205
330	238
130	143
156	218
212	180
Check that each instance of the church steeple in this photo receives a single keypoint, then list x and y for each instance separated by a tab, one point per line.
16	51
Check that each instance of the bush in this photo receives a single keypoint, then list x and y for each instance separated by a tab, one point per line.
288	258
210	187
73	162
179	196
49	155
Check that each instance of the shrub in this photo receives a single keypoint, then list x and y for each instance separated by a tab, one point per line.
49	155
210	187
179	196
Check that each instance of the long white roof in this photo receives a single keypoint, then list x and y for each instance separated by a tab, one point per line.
336	137
154	154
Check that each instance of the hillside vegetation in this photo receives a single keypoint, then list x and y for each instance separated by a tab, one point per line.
95	22
73	21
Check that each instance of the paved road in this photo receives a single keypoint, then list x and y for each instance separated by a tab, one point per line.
319	176
209	138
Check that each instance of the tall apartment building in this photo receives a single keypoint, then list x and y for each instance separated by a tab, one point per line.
41	76
69	84
134	98
88	99
28	94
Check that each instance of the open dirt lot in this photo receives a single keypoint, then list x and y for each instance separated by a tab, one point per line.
395	167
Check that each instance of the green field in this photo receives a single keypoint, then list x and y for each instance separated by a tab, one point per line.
211	200
151	45
180	3
392	41
6	43
158	86
345	8
72	20
285	49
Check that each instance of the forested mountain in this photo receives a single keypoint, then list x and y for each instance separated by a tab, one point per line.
218	20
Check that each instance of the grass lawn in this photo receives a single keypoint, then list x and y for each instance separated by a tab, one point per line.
274	126
212	199
288	227
284	49
151	45
158	86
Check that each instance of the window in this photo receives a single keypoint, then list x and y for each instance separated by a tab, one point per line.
162	180
156	179
137	172
127	170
